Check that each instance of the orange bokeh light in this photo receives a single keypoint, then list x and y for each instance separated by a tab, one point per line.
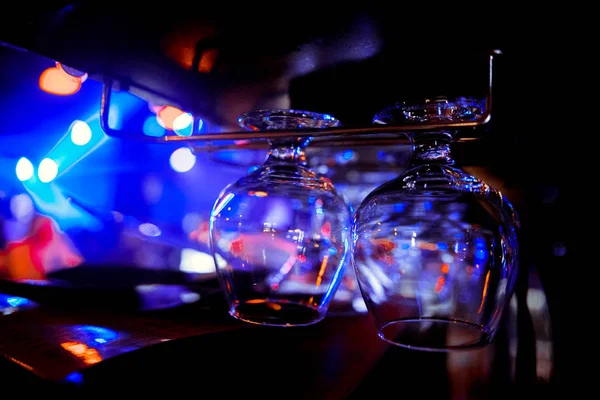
56	81
166	116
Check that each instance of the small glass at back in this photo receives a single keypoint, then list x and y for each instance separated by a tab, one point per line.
280	235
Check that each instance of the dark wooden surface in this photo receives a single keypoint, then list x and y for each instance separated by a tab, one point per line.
192	348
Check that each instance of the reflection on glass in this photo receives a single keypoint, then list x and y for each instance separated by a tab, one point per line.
435	248
282	230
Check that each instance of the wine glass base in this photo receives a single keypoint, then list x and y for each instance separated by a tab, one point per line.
275	312
434	334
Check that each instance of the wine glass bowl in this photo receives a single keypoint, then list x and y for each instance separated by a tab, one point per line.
435	250
282	231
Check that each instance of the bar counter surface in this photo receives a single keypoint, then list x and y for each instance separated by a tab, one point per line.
195	347
77	348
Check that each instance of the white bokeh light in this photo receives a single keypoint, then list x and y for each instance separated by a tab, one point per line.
47	171
183	125
148	229
81	133
195	261
24	169
182	160
21	206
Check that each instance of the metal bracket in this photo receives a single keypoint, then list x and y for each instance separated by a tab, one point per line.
375	135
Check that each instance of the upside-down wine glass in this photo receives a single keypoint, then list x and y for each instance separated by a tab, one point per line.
435	250
281	234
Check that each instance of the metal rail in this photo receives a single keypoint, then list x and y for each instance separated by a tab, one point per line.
375	135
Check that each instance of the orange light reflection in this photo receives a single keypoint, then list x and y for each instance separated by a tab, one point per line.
322	270
485	289
258	194
87	354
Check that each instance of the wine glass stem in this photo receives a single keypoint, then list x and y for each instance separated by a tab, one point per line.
288	151
431	148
